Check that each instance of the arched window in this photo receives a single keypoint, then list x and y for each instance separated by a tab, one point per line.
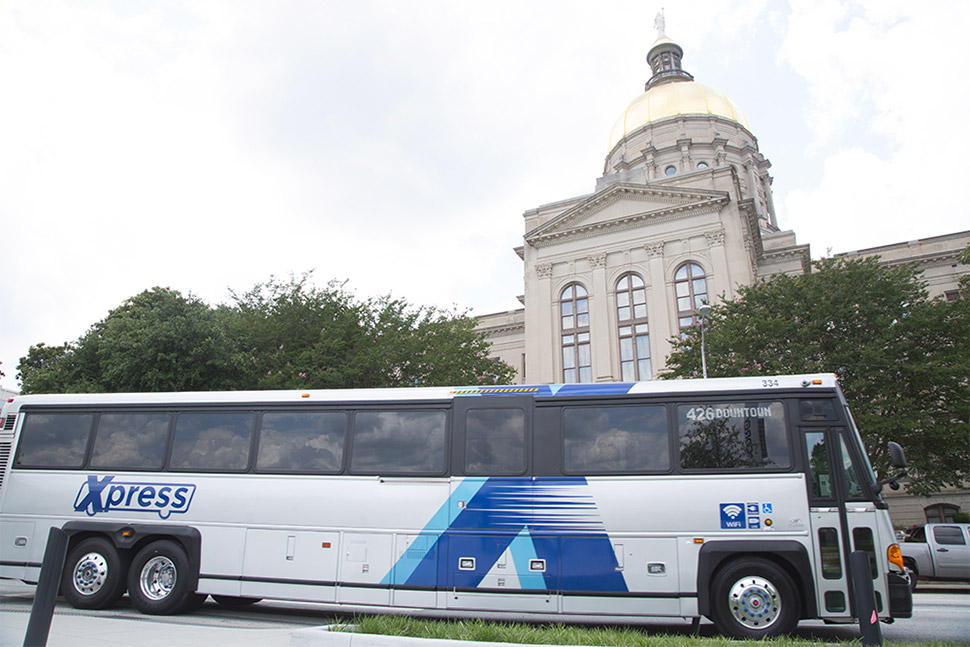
690	284
574	322
941	512
631	319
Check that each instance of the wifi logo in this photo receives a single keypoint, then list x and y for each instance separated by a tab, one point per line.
732	510
732	516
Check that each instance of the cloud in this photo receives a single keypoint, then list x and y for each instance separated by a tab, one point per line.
886	109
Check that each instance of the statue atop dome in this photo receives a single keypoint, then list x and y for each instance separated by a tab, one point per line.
660	24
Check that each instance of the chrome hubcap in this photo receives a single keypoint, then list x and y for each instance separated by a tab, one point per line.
158	577
90	573
754	602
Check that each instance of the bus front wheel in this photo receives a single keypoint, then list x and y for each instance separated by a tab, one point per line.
158	580
753	598
94	574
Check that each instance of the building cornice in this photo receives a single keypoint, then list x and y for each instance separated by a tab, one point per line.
567	226
502	330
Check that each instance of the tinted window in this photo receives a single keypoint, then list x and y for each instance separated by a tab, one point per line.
853	487
818	465
817	410
302	442
862	538
131	441
733	435
398	442
601	440
495	442
828	542
54	439
212	441
948	535
918	536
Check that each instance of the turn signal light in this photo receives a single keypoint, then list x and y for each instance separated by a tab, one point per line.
895	556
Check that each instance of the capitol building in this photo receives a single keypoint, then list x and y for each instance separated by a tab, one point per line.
682	215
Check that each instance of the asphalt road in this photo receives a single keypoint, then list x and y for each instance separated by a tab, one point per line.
940	613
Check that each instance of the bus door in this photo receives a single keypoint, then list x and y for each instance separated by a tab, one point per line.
490	544
843	519
827	516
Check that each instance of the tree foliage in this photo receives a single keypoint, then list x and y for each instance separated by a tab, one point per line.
294	335
158	340
279	334
903	359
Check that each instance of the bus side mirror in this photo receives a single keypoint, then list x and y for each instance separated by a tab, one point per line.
898	459
896	455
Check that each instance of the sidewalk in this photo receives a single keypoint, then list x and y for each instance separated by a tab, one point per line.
125	627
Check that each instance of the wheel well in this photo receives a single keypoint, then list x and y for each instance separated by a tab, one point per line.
130	538
789	556
910	563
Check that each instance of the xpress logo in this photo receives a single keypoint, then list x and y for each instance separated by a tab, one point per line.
98	496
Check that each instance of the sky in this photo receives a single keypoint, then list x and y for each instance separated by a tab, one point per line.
206	146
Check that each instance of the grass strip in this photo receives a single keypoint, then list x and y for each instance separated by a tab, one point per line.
561	634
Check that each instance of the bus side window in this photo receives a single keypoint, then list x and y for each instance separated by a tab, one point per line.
733	435
212	442
818	465
302	441
398	442
135	441
495	442
604	440
54	440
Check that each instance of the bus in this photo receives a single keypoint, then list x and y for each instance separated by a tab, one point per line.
735	499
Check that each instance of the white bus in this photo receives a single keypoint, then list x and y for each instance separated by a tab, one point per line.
735	499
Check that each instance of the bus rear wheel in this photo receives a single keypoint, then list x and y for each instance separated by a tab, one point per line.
158	580
754	598
94	574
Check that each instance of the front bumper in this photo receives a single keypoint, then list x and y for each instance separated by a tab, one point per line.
900	597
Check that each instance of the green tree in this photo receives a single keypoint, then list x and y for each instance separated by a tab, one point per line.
280	334
903	359
47	369
158	340
291	334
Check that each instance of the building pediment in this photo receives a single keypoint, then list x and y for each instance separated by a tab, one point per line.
620	207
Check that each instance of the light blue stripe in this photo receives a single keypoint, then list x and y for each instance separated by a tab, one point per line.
523	552
436	526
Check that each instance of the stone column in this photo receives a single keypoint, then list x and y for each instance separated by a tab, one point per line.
685	158
658	307
601	335
720	272
542	330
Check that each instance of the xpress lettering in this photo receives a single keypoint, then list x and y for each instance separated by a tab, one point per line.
105	494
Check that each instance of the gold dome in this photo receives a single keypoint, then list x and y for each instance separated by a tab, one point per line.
670	100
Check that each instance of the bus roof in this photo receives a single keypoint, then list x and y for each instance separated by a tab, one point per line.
432	394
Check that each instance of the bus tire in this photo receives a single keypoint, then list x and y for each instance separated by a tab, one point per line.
752	598
158	580
94	574
234	602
